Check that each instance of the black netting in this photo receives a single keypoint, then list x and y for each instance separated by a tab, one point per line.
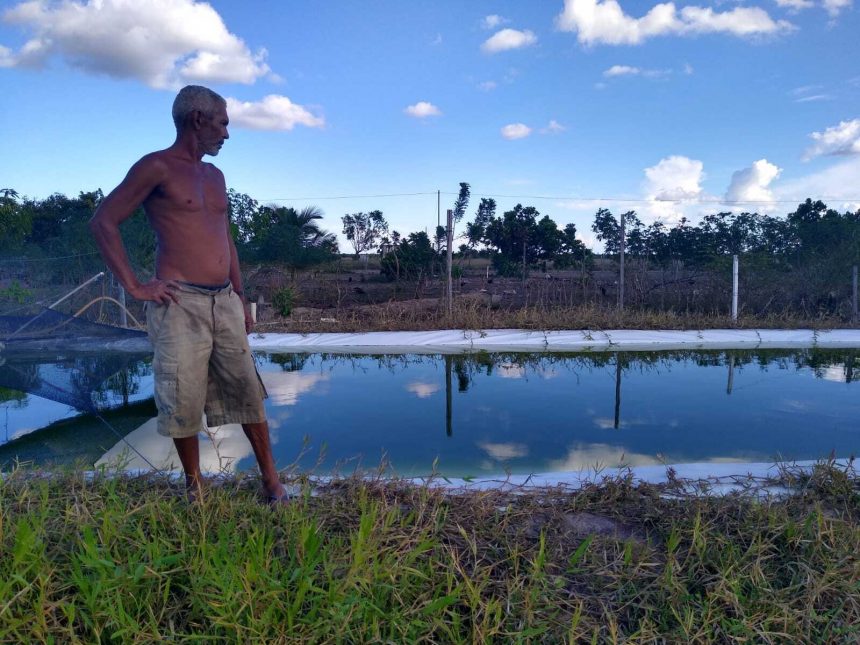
63	358
53	326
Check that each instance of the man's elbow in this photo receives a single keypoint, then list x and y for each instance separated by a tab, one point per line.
99	226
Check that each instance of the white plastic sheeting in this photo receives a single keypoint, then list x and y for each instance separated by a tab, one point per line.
721	478
511	340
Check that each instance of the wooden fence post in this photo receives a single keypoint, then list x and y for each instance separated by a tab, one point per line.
734	288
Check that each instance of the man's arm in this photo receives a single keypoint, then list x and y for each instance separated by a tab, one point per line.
117	207
236	279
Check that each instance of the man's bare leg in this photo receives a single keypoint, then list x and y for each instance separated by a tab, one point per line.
188	449
258	435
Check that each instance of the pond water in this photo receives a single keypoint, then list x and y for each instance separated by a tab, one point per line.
482	414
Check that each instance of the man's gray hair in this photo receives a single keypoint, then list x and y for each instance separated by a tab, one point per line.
195	97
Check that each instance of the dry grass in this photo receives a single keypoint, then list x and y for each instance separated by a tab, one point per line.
474	313
370	560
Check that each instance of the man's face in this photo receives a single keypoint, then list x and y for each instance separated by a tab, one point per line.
213	132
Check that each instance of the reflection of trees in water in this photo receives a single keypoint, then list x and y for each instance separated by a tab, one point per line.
122	384
16	380
290	362
467	367
17	398
82	380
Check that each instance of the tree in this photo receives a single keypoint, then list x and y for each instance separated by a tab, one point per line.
242	211
292	237
608	230
412	259
462	202
475	231
364	229
15	225
572	250
519	240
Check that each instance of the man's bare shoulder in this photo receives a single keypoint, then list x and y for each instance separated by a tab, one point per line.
213	171
154	164
211	167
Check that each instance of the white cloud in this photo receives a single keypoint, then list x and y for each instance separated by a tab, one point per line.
836	373
553	127
516	131
795	5
688	69
504	451
622	70
274	112
508	39
437	40
587	456
626	70
423	109
511	370
673	180
842	139
6	57
814	97
423	390
599	22
493	21
835	7
163	43
751	184
486	86
836	185
284	388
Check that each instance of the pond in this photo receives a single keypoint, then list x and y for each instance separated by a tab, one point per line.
486	414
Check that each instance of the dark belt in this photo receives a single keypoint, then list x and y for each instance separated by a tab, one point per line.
208	287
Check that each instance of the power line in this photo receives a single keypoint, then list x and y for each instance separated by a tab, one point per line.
296	199
627	200
58	257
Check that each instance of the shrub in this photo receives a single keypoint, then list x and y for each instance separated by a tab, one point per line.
283	301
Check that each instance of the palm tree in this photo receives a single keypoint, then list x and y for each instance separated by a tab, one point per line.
295	238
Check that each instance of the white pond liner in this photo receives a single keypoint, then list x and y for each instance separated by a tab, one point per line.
519	340
721	476
694	478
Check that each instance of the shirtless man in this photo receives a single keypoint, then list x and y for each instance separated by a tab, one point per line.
197	317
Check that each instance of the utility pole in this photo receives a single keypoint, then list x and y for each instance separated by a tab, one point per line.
450	239
438	215
734	288
621	269
854	291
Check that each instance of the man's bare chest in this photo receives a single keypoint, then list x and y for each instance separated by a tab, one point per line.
190	193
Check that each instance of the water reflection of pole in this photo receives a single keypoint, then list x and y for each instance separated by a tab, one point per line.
125	388
449	363
731	374
617	389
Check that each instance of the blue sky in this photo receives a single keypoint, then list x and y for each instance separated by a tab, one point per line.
674	109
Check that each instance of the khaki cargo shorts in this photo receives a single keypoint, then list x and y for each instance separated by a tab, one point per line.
203	363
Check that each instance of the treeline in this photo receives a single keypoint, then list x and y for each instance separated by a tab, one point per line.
819	242
811	234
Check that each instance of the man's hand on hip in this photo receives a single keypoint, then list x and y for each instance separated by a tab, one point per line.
160	291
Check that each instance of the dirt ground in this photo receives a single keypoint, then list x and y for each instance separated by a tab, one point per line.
358	289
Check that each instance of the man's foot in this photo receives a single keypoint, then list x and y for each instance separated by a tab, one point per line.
193	495
279	495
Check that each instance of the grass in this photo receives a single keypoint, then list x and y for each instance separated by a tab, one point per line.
118	558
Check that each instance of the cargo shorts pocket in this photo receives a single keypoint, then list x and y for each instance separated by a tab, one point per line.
166	377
